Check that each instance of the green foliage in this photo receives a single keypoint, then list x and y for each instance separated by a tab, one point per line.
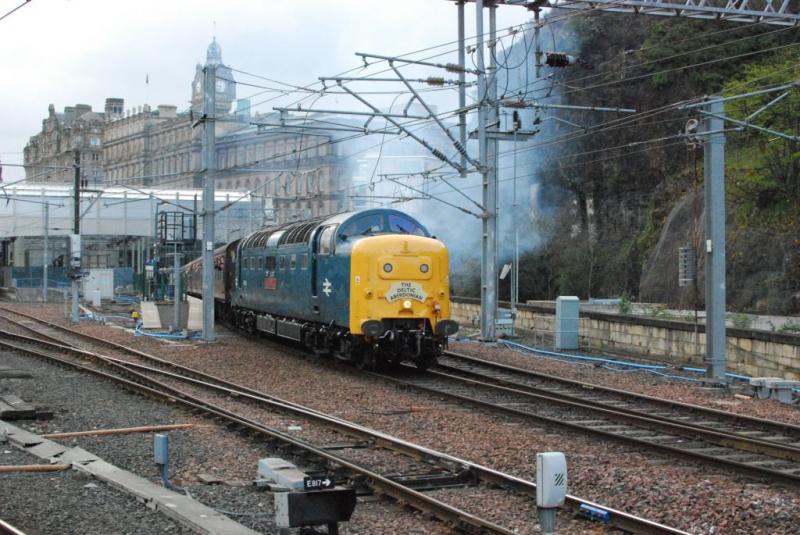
741	321
768	192
624	308
693	53
790	328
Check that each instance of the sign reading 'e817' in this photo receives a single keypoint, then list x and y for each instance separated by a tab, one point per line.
406	290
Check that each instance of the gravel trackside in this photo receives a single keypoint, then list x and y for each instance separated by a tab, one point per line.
691	497
52	503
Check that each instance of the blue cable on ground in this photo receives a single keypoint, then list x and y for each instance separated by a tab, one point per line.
607	363
165	334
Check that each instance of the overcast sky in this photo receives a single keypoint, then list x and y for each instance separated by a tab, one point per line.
81	51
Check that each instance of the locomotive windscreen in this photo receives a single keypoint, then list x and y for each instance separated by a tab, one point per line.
376	223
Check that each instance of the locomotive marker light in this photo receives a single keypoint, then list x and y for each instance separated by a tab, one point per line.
551	488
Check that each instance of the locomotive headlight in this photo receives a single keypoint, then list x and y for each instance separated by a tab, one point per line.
424	268
407	304
387	267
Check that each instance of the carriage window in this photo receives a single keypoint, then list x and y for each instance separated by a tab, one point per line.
281	262
363	226
404	225
293	262
270	263
304	261
325	246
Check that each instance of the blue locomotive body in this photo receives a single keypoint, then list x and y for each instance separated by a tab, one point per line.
324	282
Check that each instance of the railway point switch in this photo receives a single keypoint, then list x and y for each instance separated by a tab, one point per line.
302	500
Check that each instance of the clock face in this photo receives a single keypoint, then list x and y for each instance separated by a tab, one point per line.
220	85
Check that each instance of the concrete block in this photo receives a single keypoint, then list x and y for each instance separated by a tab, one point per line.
195	321
151	319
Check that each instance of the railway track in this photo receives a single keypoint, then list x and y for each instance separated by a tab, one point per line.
8	529
759	448
422	468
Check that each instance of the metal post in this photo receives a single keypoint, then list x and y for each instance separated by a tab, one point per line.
490	201
210	160
537	55
77	231
462	88
514	222
714	177
46	252
488	278
176	287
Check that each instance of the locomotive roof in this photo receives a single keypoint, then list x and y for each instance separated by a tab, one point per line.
300	231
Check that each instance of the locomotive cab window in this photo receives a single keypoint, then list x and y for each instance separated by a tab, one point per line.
269	263
293	262
403	225
260	262
281	262
325	242
362	226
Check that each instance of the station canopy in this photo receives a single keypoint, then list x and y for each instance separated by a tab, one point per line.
120	211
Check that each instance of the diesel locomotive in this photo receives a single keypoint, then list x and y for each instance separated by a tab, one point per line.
368	287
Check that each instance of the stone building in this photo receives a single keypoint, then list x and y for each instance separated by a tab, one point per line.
49	156
151	148
298	174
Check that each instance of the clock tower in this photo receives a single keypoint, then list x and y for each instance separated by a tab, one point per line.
226	88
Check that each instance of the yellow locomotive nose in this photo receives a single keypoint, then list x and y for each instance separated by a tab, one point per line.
400	281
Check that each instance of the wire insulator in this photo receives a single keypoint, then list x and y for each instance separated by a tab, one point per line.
440	155
434	80
460	148
512	103
454	67
558	59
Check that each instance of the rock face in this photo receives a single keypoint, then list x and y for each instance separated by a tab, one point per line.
763	265
659	282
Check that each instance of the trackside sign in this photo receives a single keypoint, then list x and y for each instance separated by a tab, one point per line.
406	290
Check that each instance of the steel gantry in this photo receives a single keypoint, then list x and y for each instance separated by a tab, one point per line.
779	12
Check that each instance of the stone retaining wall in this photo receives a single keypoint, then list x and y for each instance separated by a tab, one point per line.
749	352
